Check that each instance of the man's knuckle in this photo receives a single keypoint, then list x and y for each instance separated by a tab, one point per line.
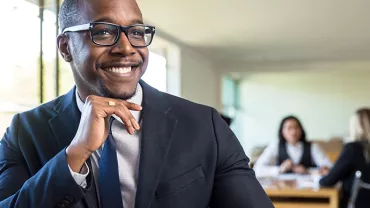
124	103
121	107
90	98
94	108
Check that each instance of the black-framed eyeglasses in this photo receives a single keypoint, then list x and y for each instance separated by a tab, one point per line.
107	34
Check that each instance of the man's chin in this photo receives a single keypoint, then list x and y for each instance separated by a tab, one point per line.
118	95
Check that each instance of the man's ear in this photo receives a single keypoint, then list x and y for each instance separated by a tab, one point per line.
62	41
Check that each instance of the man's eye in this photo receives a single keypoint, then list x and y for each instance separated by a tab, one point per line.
137	33
103	32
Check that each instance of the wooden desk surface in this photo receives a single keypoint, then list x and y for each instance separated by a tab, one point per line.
332	194
304	193
285	194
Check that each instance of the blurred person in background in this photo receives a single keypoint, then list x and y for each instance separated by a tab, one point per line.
354	156
292	153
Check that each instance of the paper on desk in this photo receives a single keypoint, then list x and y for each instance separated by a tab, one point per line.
303	181
293	176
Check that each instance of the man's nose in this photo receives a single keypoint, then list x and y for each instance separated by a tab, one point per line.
123	46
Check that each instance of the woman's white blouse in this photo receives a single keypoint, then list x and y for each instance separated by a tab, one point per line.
266	165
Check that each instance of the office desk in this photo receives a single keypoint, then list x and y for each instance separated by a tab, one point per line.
288	194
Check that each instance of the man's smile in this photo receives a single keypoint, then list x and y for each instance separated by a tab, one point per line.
123	70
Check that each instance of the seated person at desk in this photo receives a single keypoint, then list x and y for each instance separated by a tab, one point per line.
292	153
354	156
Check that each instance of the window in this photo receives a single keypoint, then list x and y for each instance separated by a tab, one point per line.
20	80
229	97
155	74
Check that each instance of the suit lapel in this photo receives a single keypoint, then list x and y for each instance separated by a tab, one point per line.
64	127
158	127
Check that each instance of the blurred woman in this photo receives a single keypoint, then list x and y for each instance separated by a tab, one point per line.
292	153
354	156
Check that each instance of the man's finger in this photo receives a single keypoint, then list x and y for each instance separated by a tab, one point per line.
135	124
131	106
110	110
126	117
113	102
122	109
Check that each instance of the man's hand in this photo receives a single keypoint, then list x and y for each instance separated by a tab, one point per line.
286	166
300	169
94	127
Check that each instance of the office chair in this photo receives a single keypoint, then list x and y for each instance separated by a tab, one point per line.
356	186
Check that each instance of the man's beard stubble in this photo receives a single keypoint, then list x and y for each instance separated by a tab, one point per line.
125	96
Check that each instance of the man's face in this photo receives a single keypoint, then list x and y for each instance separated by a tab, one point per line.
104	70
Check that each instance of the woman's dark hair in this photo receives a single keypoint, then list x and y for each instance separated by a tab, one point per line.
281	136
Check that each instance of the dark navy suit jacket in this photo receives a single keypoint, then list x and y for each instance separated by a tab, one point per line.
189	158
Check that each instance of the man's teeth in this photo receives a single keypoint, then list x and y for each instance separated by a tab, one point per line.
121	70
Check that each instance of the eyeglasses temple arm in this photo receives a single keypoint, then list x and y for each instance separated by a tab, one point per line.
77	28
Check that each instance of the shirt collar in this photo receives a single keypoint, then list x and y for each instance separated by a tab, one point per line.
297	146
137	99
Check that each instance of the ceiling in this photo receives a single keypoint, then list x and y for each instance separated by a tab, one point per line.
239	32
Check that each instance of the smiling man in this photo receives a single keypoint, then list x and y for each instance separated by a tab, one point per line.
113	141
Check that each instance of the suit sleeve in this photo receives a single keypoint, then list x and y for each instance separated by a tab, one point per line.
341	168
235	184
52	186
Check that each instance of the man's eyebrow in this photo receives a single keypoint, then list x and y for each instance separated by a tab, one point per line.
107	19
138	22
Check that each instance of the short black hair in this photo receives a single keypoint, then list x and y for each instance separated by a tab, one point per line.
69	13
280	134
227	119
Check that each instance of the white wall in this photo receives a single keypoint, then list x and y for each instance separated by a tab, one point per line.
323	100
199	81
190	75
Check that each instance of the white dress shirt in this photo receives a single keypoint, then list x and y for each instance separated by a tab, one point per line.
128	154
266	165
